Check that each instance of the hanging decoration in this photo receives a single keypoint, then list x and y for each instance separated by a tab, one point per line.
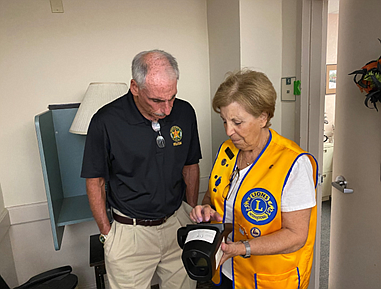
370	81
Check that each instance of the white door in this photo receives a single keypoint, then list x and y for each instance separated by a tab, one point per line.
355	251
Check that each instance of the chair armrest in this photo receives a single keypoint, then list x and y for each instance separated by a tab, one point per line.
46	276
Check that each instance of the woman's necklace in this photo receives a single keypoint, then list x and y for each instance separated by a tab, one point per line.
252	157
243	160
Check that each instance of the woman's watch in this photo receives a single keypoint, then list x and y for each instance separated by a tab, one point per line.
102	238
247	247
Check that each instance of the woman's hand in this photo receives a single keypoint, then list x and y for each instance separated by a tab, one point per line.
290	238
232	249
204	213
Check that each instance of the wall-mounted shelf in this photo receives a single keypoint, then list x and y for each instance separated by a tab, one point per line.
61	154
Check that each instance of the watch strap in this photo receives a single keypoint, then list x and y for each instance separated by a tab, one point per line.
247	247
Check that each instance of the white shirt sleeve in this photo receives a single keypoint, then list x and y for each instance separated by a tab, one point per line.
299	191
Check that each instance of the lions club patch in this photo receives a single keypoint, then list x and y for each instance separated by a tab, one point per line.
259	206
176	135
255	232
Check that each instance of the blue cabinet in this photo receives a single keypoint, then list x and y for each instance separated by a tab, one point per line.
61	155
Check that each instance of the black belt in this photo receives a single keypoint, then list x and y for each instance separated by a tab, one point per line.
129	221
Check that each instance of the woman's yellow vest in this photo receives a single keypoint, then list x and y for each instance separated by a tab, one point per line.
257	213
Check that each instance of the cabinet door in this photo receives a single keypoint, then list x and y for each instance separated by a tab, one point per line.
326	186
327	158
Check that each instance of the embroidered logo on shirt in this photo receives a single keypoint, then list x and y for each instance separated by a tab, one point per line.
259	206
176	135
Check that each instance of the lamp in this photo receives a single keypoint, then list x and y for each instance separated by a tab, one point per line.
97	95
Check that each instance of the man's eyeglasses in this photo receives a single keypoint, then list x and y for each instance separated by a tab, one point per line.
234	177
160	139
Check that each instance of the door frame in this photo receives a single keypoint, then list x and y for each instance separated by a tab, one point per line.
314	14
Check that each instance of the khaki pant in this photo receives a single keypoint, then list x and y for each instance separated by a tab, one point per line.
134	253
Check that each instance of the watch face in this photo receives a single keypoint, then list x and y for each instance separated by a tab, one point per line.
102	238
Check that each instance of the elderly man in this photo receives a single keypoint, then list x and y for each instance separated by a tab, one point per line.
145	146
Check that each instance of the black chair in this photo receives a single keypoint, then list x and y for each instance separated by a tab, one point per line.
59	278
97	260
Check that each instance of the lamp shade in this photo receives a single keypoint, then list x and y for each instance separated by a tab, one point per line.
97	95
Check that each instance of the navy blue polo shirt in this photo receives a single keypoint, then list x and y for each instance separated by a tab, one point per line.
145	181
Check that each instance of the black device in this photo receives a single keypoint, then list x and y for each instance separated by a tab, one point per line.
201	248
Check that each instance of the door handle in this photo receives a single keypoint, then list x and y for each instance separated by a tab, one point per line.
341	184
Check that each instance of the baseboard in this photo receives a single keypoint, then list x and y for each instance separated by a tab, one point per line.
28	213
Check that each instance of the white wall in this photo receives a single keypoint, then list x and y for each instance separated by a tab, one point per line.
51	58
268	39
289	64
261	43
248	34
38	255
224	54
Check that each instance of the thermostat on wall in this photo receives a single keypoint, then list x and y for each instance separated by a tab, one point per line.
288	89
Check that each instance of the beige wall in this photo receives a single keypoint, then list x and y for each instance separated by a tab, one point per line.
2	206
33	250
7	264
52	57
